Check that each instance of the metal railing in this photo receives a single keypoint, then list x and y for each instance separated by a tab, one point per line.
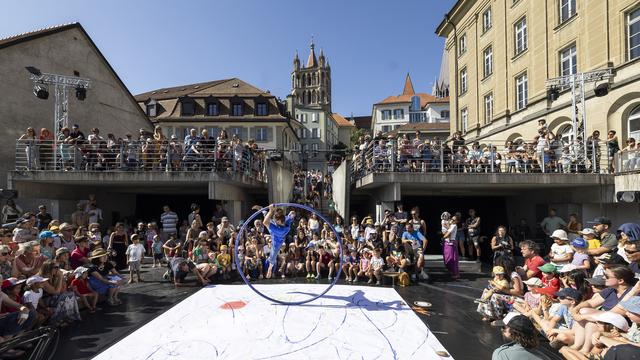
427	156
627	161
148	155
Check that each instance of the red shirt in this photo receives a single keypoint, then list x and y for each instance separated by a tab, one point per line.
81	285
76	255
326	258
533	264
551	287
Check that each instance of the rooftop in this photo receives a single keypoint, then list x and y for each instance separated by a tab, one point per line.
226	87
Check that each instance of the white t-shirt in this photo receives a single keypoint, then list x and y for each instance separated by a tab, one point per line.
32	297
453	230
377	263
135	252
561	250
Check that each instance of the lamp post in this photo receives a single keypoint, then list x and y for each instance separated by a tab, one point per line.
61	84
576	83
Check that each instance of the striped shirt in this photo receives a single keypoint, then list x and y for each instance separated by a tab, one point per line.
169	221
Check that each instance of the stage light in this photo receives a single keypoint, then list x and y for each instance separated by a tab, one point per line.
601	90
628	196
553	94
81	93
34	70
41	91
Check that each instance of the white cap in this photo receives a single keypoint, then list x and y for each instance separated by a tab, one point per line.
588	231
612	318
36	279
567	268
560	234
534	281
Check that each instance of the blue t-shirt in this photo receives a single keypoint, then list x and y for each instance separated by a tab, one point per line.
611	298
565	315
279	232
415	236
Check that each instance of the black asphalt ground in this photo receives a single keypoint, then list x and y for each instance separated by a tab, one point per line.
452	318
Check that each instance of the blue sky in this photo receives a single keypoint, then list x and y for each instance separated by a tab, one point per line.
370	44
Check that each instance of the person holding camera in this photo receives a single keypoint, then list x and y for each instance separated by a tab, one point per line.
501	244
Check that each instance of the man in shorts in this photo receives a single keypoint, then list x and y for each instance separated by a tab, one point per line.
473	232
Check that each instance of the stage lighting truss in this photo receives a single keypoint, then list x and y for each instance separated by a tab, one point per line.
576	83
61	84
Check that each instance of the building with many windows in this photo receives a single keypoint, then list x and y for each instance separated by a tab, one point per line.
310	103
231	104
501	54
410	108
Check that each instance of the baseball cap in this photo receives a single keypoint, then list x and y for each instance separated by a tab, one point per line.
548	268
534	281
597	280
567	268
570	292
632	231
612	318
588	231
579	243
601	220
632	305
46	234
11	282
517	322
75	126
36	279
611	258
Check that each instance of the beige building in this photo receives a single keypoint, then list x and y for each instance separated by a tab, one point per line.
231	104
501	53
65	50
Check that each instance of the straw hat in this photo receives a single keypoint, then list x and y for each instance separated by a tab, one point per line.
97	253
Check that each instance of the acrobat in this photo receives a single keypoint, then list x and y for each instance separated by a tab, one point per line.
278	228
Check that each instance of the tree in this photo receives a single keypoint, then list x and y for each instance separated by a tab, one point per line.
356	135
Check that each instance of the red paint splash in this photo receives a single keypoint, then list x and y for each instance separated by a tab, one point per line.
233	305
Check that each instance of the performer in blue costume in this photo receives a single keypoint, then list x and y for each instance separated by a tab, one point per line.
278	227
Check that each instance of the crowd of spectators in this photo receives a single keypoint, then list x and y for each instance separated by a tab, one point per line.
546	153
143	151
582	294
312	188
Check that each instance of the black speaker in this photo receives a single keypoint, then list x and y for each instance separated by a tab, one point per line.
601	90
553	94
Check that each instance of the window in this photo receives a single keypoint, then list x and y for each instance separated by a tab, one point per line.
488	108
151	109
633	34
303	118
314	147
212	109
634	124
567	9
568	61
386	114
237	131
444	114
187	108
237	110
315	134
463	44
464	118
521	92
261	109
262	134
565	134
521	35
486	20
315	117
488	61
386	128
464	85
398	114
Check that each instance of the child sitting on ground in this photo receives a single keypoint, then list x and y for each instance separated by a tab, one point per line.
224	260
135	254
377	263
82	289
32	298
496	285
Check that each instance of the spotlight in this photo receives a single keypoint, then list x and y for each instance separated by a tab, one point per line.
41	91
34	70
628	196
81	93
553	94
601	90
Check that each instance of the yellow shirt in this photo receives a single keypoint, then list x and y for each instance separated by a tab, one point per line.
593	243
224	259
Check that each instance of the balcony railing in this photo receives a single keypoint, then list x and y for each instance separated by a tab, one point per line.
627	161
437	156
150	155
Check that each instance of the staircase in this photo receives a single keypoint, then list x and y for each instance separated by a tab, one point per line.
324	208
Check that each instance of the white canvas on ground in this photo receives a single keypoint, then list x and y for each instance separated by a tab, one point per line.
233	322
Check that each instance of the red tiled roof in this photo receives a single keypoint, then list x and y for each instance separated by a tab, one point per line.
362	122
341	121
408	86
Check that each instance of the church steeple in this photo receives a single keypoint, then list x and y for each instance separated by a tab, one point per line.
321	59
408	86
296	62
312	61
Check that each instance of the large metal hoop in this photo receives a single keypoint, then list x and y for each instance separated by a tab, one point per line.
238	265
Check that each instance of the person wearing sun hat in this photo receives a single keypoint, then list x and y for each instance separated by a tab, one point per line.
561	252
103	277
581	258
591	237
550	282
612	331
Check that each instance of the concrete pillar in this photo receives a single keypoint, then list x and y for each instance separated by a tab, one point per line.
385	199
236	210
381	207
